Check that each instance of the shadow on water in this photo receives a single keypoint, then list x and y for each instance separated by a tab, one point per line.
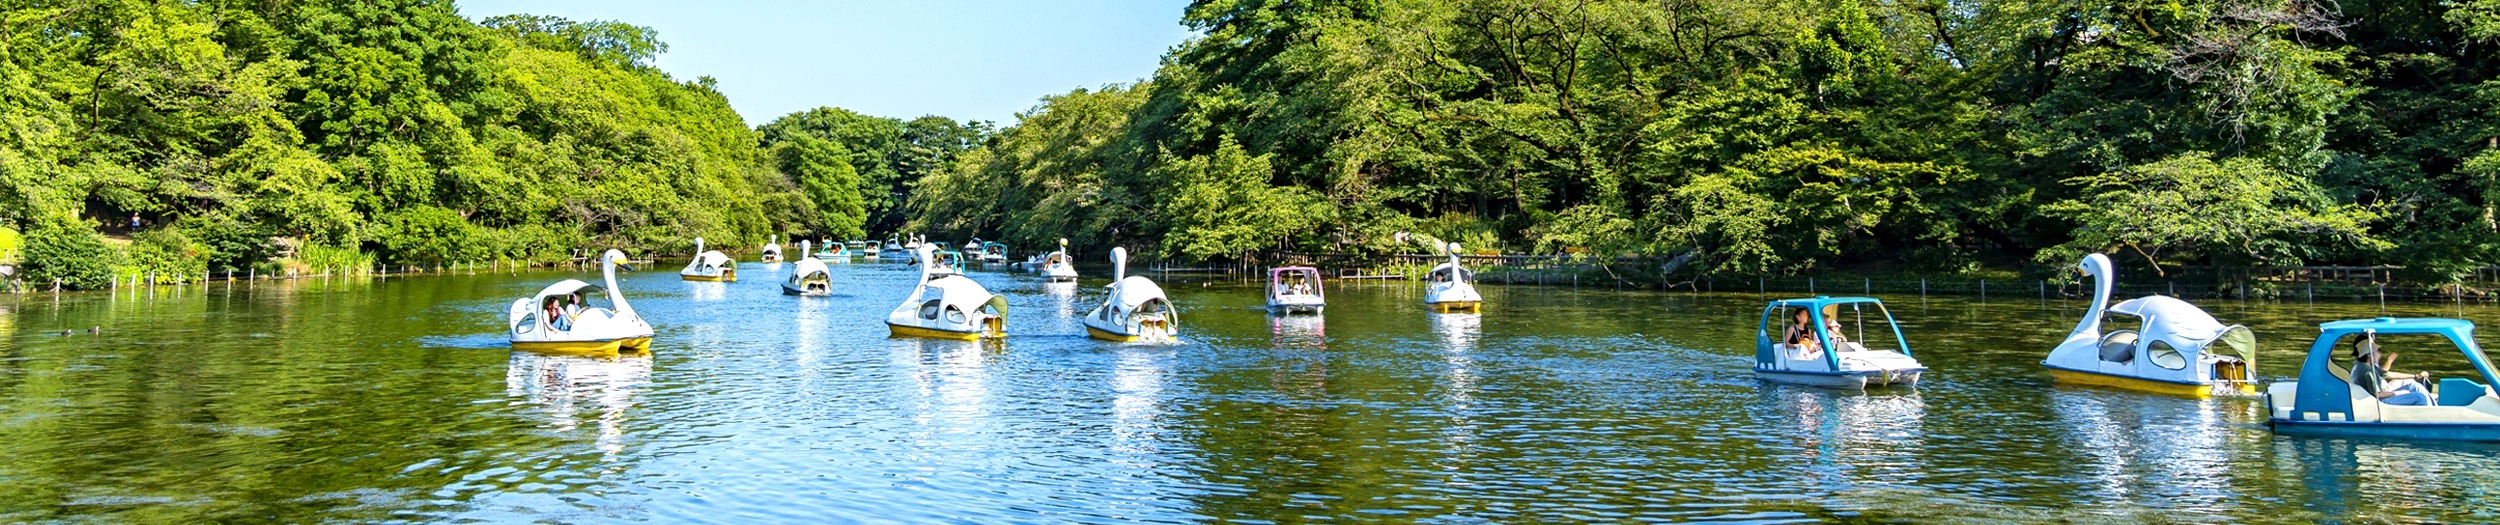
396	399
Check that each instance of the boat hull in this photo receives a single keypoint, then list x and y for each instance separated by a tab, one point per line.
931	333
2080	377
1456	306
1290	309
787	290
607	348
723	277
1842	380
2483	432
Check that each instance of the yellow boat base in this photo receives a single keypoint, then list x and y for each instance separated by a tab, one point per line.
1456	306
2146	385
1099	333
608	348
914	331
723	277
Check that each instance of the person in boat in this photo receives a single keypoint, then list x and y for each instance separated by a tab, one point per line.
555	316
2369	369
1801	336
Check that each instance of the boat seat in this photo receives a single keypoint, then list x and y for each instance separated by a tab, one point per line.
2118	347
2365	407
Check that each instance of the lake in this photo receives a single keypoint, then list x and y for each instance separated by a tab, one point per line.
396	399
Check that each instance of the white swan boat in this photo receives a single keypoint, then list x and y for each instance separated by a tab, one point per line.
1136	309
772	250
948	307
559	320
1854	365
1295	289
809	278
1056	266
1450	287
709	265
2177	348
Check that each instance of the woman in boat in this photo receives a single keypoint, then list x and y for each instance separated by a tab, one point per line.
1801	335
2395	388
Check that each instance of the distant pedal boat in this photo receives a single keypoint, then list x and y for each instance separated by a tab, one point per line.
1295	289
2177	349
1056	266
948	307
772	250
1450	287
1135	311
809	278
709	266
1853	366
559	320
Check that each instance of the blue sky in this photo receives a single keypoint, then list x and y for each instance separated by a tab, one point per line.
964	59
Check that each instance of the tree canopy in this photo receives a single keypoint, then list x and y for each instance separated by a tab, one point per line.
1776	135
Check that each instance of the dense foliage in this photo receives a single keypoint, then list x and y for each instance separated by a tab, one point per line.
391	127
1778	135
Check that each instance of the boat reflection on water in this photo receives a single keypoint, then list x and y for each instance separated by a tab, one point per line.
2354	477
951	388
2136	450
1855	438
1137	394
1305	331
1062	296
575	390
1458	332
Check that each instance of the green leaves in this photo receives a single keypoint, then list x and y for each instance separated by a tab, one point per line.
2192	205
1222	205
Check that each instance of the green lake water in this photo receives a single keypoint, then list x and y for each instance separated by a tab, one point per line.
396	400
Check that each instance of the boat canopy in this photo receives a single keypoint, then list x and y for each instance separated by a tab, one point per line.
1278	272
1134	291
565	287
2323	387
1445	270
2184	326
713	258
995	247
1822	307
807	267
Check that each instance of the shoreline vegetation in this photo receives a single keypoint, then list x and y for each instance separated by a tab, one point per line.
2218	144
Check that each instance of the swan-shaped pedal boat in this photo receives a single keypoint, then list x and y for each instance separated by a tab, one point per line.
558	320
2178	348
1450	287
808	278
709	265
1295	289
1056	266
1136	309
948	307
772	250
2330	400
1853	366
868	249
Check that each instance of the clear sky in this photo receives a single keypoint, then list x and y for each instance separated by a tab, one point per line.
963	59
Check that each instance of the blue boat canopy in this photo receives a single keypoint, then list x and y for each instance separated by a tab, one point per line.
2324	393
1764	342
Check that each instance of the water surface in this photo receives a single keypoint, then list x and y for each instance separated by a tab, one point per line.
395	399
